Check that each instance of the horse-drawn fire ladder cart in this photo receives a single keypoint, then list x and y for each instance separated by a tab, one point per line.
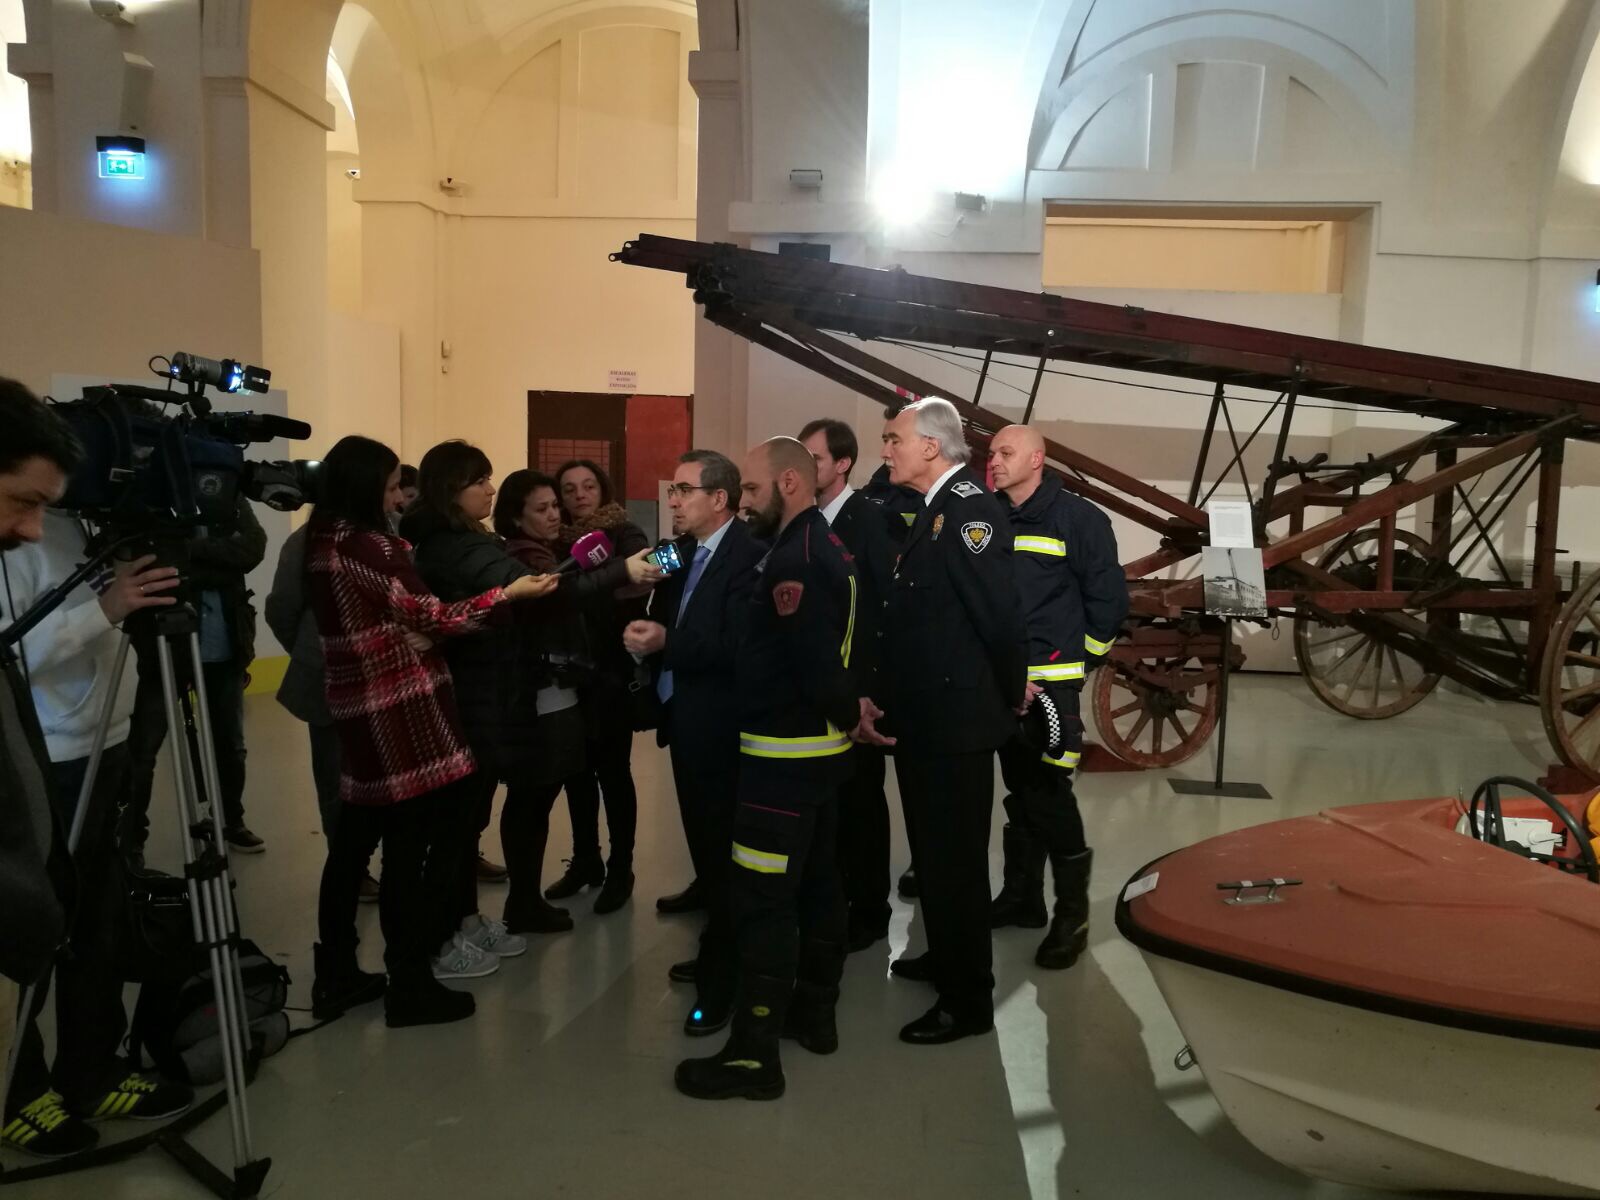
1381	612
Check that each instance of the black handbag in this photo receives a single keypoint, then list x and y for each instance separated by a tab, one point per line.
156	936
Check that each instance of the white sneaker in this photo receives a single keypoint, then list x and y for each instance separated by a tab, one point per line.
492	937
462	960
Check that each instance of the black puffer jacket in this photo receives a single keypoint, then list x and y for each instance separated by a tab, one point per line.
498	671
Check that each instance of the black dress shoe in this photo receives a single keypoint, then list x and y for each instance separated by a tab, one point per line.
705	1019
617	890
864	933
938	1026
691	899
683	972
908	888
918	967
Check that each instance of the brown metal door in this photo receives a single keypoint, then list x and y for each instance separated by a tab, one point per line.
567	425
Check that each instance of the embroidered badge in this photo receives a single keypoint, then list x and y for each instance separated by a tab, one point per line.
938	526
966	490
977	534
786	597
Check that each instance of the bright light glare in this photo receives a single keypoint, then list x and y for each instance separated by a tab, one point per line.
902	198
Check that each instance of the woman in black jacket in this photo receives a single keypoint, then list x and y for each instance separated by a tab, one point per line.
588	503
518	709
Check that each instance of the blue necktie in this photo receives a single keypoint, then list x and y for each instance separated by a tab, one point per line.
696	569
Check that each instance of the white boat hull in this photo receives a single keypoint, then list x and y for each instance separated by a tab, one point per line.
1380	1101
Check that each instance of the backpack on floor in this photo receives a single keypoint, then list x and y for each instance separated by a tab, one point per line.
175	1022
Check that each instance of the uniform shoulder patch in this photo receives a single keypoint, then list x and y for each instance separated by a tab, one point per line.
786	597
977	535
966	490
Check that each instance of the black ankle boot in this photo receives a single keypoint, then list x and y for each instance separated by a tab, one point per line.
816	995
536	916
582	871
1021	898
618	888
748	1065
340	982
1069	928
425	1001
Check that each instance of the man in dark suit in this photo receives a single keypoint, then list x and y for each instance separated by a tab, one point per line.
954	660
692	633
863	809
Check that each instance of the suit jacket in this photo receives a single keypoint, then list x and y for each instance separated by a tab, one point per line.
864	529
702	649
954	644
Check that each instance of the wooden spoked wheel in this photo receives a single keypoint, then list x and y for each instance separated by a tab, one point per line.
1569	681
1156	712
1347	670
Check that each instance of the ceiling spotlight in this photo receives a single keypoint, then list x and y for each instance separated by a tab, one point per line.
113	11
806	179
901	198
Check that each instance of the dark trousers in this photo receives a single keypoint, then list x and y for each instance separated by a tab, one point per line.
1039	795
864	837
950	798
707	784
476	811
325	758
89	1017
785	886
148	730
608	728
422	847
524	834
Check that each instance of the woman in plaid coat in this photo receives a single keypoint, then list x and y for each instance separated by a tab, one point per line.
403	757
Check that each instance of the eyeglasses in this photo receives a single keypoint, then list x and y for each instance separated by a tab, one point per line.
682	490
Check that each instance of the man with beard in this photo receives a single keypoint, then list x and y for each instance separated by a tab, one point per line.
800	709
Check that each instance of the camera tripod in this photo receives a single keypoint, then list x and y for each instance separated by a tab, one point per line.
213	917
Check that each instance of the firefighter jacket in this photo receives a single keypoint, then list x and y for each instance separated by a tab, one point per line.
796	681
900	505
952	632
1074	596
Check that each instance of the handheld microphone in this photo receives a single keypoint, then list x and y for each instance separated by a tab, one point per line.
588	552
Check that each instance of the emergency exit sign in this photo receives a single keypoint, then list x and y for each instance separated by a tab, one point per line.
622	381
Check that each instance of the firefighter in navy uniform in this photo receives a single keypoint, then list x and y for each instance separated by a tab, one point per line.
954	662
1074	598
799	709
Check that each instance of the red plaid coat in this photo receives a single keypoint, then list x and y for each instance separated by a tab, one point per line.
394	709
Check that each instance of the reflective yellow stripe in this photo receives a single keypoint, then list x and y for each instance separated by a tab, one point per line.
1056	672
760	860
910	519
759	745
1068	760
1095	647
1054	547
850	626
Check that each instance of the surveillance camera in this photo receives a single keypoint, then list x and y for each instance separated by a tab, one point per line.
450	185
353	172
111	10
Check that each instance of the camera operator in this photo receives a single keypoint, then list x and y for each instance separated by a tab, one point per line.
68	659
218	565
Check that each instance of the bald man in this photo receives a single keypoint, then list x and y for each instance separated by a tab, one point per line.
1074	598
799	707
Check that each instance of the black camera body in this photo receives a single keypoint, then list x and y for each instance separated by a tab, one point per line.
144	468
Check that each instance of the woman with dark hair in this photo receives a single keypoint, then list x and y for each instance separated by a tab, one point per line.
403	759
588	504
519	709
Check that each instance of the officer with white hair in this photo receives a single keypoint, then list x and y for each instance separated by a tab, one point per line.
954	656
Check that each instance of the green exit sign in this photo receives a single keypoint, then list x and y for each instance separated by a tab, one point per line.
121	164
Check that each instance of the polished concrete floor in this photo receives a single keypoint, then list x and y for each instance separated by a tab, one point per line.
562	1084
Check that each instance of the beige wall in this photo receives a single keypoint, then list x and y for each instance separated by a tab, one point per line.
83	298
1219	256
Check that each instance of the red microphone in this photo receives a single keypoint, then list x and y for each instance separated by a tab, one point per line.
588	552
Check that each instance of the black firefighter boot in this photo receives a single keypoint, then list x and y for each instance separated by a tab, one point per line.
340	983
1021	898
748	1065
816	993
1069	928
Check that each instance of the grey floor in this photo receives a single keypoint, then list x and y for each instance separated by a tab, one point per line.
561	1085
